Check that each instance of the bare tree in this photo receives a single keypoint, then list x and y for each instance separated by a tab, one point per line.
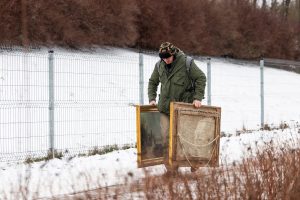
274	5
24	22
264	4
286	5
298	8
297	17
254	3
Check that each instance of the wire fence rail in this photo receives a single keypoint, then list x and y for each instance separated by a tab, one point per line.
283	64
78	102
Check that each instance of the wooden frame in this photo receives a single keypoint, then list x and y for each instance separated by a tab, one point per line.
180	111
144	160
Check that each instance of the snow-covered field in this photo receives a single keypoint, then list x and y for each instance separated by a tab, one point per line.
58	177
93	96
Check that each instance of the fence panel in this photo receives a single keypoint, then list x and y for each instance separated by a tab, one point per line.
23	105
281	97
92	96
236	89
94	93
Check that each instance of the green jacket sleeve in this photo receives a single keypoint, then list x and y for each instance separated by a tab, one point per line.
153	84
200	81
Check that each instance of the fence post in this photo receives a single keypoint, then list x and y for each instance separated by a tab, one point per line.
51	102
208	81
141	78
262	105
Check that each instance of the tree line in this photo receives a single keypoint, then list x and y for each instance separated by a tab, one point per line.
234	28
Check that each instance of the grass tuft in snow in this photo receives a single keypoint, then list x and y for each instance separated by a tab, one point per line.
50	155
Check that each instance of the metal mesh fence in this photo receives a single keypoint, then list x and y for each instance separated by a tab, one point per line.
23	104
93	94
240	88
91	100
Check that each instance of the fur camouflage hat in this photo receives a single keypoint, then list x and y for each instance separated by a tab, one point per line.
166	50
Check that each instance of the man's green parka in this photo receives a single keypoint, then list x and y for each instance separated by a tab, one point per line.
176	85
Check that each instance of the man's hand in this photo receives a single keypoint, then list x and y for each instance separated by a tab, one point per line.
197	103
153	103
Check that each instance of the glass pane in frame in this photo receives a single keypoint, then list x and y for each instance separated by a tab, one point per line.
149	137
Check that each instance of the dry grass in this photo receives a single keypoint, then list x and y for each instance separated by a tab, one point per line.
273	174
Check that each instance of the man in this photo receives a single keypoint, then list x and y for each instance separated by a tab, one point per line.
177	84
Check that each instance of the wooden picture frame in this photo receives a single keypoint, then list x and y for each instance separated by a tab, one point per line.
148	135
199	127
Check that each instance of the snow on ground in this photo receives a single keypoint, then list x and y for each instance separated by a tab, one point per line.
57	177
235	88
